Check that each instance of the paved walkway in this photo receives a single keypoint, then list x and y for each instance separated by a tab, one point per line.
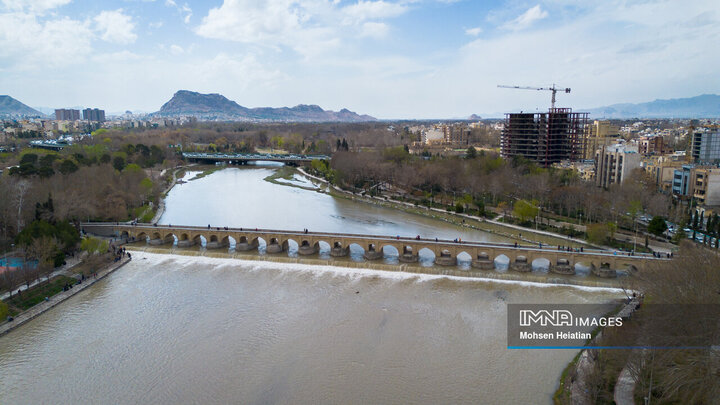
63	270
38	309
624	388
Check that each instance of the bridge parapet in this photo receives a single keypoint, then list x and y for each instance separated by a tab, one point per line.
446	252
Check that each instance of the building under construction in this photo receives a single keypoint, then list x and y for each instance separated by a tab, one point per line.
545	138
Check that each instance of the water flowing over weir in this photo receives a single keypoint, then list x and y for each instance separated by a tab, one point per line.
173	328
188	329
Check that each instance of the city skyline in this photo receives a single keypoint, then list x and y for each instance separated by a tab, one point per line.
403	59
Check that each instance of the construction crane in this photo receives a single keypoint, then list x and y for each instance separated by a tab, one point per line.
553	89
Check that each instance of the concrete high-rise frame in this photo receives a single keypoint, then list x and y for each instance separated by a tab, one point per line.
545	138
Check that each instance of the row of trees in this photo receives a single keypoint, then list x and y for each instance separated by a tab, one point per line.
487	178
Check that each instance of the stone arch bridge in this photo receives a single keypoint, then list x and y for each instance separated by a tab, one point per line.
602	263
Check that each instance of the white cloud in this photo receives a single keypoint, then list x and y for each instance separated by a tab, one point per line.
188	13
309	27
243	73
183	9
250	21
115	27
124	56
29	43
474	31
526	19
35	6
374	30
365	10
176	49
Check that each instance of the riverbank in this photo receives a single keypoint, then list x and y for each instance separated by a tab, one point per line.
509	231
53	301
579	378
537	279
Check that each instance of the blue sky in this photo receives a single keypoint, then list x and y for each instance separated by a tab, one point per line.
386	58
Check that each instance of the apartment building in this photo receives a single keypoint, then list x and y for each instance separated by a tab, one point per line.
613	164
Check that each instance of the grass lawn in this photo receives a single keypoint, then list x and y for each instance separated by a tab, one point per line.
29	298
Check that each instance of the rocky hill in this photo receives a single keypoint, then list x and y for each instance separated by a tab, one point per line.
218	107
11	108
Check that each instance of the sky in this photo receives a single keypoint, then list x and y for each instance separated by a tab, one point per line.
387	58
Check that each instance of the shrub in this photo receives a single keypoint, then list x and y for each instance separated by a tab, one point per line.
93	245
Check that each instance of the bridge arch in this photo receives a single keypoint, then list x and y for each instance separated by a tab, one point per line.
228	241
323	248
291	246
391	250
356	251
464	257
259	244
200	240
583	267
541	265
426	256
502	262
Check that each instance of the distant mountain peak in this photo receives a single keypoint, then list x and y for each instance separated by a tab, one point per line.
702	106
12	108
215	106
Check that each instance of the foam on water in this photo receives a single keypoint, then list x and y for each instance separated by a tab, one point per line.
357	273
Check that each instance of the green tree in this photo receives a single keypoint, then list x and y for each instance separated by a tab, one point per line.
598	233
93	245
47	160
29	158
471	153
525	210
397	154
657	226
68	166
466	200
46	171
119	163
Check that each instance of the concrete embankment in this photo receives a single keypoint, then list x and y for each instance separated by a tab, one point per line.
579	387
540	278
53	301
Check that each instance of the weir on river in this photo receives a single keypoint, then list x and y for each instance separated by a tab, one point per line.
602	263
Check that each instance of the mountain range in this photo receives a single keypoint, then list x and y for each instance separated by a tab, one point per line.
703	106
11	108
218	107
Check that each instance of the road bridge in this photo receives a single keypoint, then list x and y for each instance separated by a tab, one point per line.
244	158
601	262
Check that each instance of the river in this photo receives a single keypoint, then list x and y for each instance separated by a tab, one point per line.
177	329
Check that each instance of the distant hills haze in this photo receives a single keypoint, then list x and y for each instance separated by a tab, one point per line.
218	107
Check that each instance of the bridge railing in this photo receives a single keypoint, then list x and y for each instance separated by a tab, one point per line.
386	238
